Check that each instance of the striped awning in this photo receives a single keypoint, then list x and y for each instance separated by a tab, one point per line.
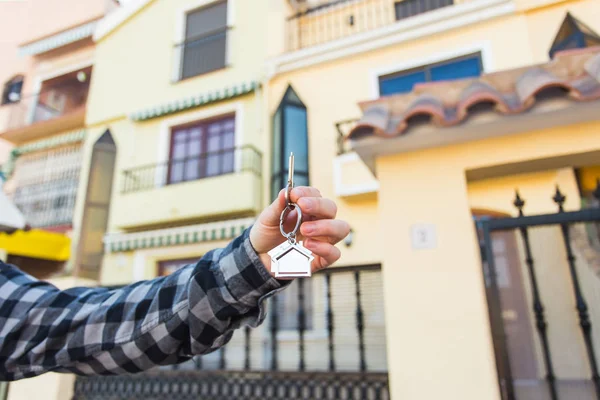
58	40
201	99
222	230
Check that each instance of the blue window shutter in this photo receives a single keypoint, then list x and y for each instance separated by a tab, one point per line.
400	83
464	68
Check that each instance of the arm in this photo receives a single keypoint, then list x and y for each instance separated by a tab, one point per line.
162	321
91	331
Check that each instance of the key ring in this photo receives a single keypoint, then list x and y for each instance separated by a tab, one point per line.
291	236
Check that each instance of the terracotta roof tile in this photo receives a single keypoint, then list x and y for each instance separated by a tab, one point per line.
572	73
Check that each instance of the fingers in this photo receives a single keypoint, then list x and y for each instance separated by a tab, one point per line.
326	252
331	230
318	207
272	213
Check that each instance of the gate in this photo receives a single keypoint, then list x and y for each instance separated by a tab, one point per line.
543	291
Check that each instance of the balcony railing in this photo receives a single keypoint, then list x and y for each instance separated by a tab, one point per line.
51	103
205	165
341	18
324	338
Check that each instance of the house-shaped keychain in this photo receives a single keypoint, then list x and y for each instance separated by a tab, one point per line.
291	260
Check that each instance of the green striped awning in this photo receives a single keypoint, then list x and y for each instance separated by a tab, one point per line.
223	230
195	101
58	40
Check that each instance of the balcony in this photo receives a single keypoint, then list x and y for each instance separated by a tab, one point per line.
352	178
337	19
215	184
58	106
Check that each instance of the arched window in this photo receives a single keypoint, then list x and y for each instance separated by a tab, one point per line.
290	134
12	90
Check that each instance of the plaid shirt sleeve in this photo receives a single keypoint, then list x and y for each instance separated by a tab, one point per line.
96	331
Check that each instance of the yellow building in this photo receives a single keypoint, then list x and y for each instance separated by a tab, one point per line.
458	106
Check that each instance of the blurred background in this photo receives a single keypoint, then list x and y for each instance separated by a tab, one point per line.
459	138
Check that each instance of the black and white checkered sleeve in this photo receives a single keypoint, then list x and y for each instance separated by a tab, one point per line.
96	331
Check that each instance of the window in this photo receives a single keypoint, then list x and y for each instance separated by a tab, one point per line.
403	82
204	48
202	150
46	186
12	90
573	34
167	267
290	134
410	8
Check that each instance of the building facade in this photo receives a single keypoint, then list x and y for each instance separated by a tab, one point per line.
421	119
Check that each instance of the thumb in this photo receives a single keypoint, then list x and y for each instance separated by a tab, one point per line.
271	214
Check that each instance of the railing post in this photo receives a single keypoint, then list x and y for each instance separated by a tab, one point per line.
274	328
360	324
538	307
301	323
247	348
330	323
581	304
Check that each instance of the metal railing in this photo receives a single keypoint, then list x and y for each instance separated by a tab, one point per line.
205	165
340	18
343	127
43	106
202	54
335	349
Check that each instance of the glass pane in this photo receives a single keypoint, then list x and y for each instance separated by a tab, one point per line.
194	148
214	144
176	173
292	97
466	68
228	140
192	169
195	132
212	165
296	137
227	162
179	152
206	20
400	83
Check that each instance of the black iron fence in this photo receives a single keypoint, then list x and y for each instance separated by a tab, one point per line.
561	360
204	165
201	54
336	19
324	339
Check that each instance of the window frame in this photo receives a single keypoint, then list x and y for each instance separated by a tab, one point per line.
205	123
426	69
17	79
281	172
180	36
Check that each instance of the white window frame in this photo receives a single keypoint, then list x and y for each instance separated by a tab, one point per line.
484	48
179	35
164	138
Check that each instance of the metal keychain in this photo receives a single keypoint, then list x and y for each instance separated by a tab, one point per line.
290	259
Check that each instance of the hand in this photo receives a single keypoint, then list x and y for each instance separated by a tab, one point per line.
320	231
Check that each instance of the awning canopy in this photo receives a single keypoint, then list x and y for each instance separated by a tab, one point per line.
36	244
